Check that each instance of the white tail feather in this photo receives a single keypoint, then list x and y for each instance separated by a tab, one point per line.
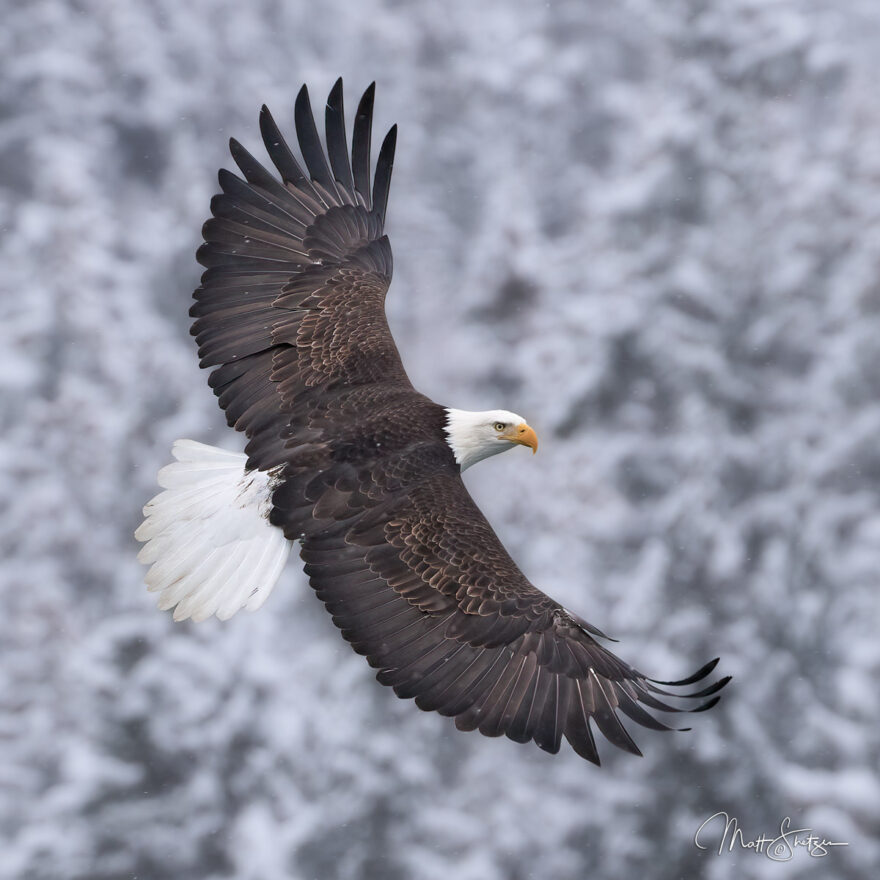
208	541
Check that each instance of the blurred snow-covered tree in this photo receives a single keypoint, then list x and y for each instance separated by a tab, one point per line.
671	214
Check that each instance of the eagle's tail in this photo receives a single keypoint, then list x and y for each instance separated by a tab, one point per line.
209	544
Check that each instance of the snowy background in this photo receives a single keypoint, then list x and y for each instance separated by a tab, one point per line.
651	228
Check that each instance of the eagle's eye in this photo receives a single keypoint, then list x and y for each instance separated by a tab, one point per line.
499	426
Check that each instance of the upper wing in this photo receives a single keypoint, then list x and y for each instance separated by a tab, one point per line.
418	581
297	271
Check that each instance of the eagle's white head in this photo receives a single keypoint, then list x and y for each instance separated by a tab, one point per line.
473	436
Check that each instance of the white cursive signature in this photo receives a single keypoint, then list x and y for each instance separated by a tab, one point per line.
778	849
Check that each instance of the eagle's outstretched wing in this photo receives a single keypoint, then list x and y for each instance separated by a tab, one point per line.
417	580
291	315
297	271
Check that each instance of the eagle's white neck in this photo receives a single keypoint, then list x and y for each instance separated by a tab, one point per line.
472	435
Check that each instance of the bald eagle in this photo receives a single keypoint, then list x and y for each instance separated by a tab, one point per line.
347	459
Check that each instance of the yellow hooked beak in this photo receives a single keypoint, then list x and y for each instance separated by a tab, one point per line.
522	434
